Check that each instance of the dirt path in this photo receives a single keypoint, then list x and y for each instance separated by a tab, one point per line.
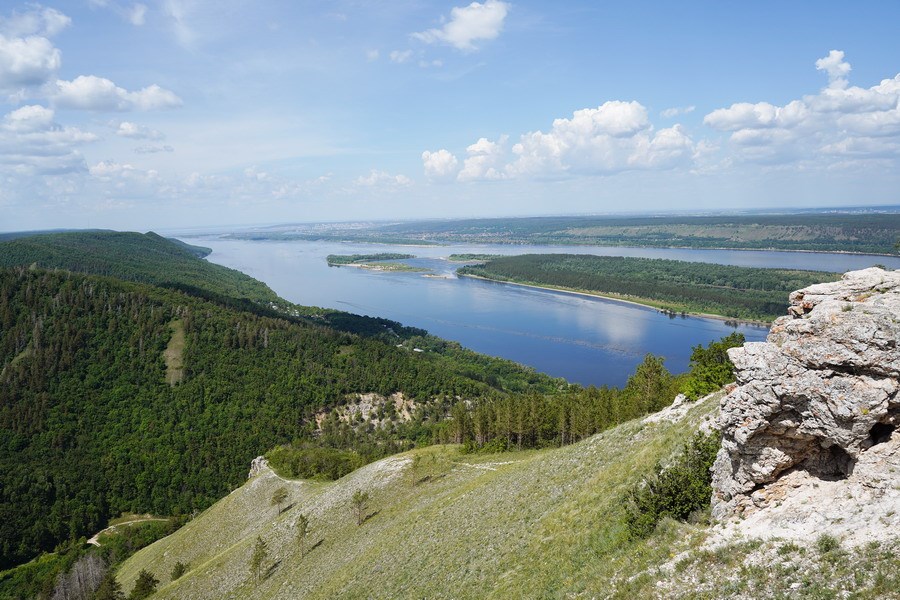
95	540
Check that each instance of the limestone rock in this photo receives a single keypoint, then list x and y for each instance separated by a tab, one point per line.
257	466
817	395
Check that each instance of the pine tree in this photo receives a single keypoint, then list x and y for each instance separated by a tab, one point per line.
302	533
260	553
279	497
360	504
144	586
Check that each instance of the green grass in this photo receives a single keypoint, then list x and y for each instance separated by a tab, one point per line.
541	523
532	524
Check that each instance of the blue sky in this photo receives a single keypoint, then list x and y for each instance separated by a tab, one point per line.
180	113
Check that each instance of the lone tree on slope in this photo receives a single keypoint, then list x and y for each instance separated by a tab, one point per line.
360	503
302	533
278	497
260	553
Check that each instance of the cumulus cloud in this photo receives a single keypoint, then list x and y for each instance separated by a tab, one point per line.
88	92
440	164
33	144
836	67
468	24
614	137
382	178
839	119
485	160
136	132
27	57
26	62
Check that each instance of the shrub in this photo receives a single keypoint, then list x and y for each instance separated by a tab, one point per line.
827	543
178	570
311	462
675	491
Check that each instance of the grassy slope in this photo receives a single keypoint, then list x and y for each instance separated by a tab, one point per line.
530	524
539	524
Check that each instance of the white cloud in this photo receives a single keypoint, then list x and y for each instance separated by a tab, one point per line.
840	119
28	118
33	145
836	67
440	164
88	92
676	111
25	62
135	14
39	21
372	55
382	178
136	132
150	149
255	174
401	57
469	24
485	160
614	137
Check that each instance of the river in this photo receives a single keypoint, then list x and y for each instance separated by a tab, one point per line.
591	341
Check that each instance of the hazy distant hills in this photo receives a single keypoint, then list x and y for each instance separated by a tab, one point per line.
873	232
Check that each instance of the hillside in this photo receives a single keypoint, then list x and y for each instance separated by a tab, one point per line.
90	427
538	524
147	258
874	232
529	524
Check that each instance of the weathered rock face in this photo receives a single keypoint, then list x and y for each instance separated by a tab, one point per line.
817	395
258	465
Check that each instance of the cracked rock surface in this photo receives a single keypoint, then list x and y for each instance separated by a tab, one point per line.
816	399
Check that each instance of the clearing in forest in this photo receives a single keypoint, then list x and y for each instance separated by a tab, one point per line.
174	353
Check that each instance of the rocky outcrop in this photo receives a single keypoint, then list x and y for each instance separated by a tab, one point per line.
816	398
258	465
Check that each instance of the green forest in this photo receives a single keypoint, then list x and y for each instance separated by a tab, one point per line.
351	259
677	286
89	428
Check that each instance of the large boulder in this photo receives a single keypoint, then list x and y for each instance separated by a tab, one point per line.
817	394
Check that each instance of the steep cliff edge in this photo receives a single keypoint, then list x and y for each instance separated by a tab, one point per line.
809	442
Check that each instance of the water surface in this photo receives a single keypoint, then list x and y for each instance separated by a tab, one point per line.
583	339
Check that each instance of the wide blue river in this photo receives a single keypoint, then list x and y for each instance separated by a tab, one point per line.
583	339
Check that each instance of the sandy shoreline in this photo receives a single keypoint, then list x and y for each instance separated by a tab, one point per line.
624	301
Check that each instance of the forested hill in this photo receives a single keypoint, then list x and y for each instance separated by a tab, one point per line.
674	285
89	426
147	258
873	232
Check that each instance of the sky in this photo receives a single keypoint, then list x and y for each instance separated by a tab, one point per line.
190	113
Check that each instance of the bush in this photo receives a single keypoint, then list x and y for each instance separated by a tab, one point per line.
310	462
827	543
178	570
675	491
